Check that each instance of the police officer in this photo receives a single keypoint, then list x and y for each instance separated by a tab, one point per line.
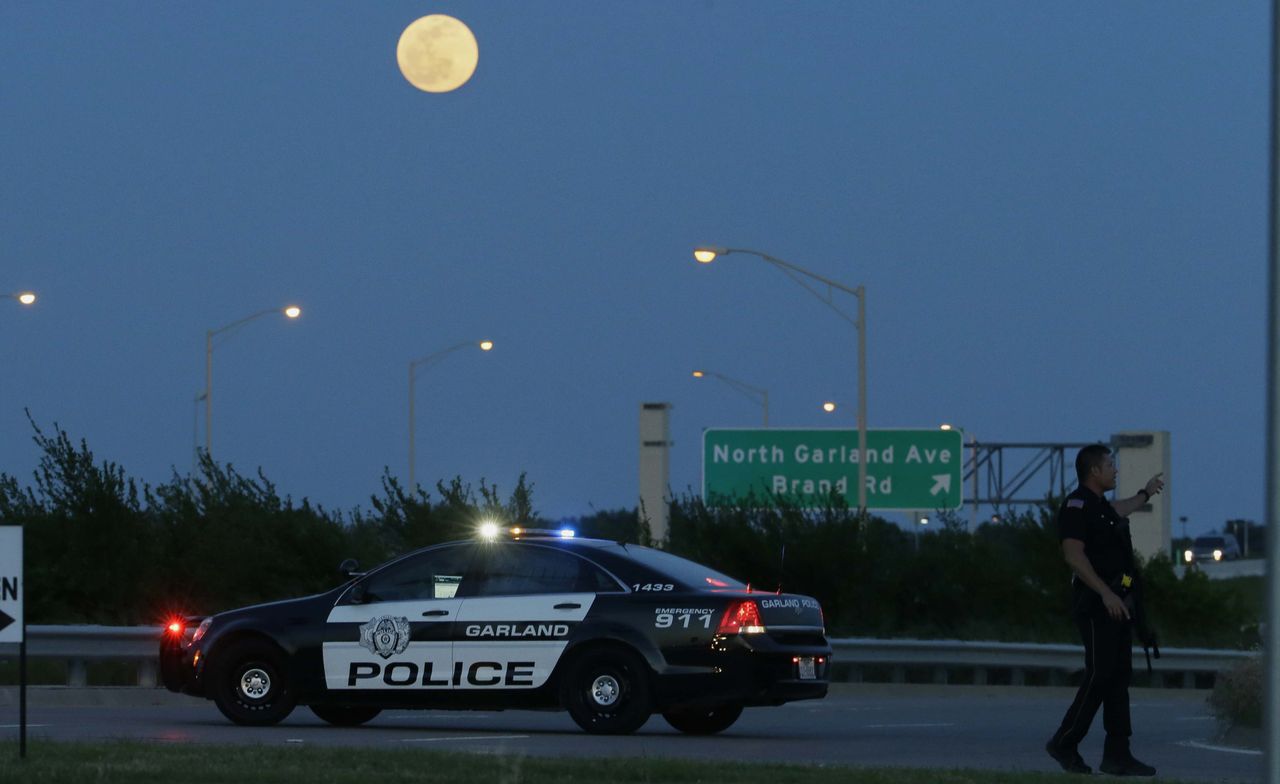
1097	546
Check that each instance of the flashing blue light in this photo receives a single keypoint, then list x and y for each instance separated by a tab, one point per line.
566	533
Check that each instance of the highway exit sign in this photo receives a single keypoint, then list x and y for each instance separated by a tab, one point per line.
906	469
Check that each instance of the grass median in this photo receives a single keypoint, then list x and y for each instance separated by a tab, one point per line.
134	762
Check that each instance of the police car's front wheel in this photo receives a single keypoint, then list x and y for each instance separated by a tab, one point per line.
249	684
703	722
606	691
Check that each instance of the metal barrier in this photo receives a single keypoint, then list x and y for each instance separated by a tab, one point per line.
79	645
943	657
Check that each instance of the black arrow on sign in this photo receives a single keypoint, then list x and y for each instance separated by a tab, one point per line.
5	620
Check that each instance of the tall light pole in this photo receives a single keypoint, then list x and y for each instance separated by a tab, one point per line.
708	254
195	431
483	345
290	312
23	297
741	386
1271	642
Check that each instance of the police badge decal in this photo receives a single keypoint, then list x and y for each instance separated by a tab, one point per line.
385	636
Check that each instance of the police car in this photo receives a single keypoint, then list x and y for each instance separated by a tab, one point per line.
610	632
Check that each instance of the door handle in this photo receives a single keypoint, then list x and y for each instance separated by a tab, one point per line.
434	613
568	606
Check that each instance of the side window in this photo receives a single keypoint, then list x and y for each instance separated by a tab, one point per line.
596	580
517	570
435	574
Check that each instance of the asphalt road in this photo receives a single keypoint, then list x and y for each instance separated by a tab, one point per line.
1253	567
858	724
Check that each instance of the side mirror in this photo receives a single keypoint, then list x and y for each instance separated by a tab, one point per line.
356	595
350	568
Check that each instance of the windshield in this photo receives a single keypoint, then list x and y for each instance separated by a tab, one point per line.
1209	541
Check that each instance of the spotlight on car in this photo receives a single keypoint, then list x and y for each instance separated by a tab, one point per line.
489	530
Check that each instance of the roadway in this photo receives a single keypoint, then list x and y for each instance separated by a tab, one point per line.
1226	570
993	728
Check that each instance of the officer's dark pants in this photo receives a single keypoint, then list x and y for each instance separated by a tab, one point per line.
1108	665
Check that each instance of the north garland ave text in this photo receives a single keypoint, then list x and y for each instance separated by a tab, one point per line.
844	455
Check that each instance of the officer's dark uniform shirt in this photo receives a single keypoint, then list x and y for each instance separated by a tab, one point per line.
1107	543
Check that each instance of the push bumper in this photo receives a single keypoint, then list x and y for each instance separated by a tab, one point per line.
181	667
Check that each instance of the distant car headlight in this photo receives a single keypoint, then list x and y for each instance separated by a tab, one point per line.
1188	556
1217	555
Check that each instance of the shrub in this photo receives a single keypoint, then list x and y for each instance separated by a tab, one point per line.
104	548
1237	694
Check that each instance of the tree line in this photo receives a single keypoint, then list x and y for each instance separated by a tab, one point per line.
105	548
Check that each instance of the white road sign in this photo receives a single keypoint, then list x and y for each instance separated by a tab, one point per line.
10	584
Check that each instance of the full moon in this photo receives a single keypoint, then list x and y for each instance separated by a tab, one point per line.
437	53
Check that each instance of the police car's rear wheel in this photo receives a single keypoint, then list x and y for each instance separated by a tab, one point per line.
249	685
607	692
704	722
345	715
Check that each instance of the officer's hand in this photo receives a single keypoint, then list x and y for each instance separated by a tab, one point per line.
1115	606
1155	484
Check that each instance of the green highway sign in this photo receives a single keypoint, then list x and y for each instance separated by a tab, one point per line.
906	469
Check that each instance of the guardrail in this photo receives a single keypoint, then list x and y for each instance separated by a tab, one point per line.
853	657
943	658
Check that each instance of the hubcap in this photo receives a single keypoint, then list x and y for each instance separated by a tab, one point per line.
605	690
255	683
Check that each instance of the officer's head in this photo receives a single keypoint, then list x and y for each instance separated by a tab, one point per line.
1095	468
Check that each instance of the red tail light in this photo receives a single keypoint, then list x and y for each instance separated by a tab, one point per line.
175	628
741	618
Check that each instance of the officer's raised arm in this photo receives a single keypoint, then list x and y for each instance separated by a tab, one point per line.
1127	506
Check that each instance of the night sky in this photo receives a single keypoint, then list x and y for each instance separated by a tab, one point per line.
1058	211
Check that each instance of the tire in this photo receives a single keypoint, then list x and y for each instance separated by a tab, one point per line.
606	691
345	715
250	685
704	722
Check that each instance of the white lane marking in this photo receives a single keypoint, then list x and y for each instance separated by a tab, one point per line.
16	726
293	740
1196	718
903	726
475	737
1195	744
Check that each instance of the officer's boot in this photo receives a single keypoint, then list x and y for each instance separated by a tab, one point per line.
1067	756
1118	761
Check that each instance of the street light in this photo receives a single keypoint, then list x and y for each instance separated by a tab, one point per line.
483	345
24	297
707	254
290	312
742	387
